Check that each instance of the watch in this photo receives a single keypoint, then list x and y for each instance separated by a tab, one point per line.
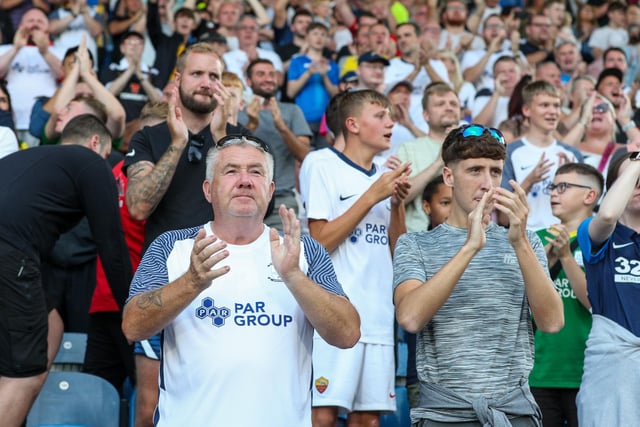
634	155
628	126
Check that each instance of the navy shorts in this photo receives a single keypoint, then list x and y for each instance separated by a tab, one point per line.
23	315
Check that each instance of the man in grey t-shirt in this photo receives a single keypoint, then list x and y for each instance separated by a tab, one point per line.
466	288
283	126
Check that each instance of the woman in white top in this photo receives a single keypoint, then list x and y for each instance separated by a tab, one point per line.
599	144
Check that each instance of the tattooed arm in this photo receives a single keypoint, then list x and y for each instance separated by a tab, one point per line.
148	313
148	182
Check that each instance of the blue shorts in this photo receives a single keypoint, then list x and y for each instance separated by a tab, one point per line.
149	348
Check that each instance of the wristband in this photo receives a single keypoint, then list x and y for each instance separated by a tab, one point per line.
634	155
628	126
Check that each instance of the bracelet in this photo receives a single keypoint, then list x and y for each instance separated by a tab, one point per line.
628	126
634	155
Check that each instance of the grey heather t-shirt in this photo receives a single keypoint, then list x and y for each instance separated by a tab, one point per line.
480	342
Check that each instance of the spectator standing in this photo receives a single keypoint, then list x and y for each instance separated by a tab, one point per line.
613	34
313	80
441	110
71	181
70	23
131	80
237	60
441	288
209	278
416	64
164	169
557	370
347	199
534	159
31	67
283	125
609	245
168	47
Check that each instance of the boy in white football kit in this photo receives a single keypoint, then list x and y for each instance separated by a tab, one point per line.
347	198
237	304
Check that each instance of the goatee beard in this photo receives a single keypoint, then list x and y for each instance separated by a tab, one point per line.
189	102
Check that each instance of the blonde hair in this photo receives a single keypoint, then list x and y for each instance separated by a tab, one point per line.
230	79
201	47
455	76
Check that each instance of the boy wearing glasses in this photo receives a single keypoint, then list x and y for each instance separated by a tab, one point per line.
533	160
467	288
557	372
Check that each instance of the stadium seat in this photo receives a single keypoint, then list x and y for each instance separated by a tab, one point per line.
75	398
70	356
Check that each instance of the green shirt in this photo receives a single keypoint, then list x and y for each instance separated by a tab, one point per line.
559	357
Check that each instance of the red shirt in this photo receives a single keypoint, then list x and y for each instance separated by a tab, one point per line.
134	235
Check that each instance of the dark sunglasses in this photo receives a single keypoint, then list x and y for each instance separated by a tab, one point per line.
239	139
600	108
479	130
194	154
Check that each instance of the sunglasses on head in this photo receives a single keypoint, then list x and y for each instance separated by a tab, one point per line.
194	154
479	130
239	139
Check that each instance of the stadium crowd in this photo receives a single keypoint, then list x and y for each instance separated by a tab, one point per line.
464	172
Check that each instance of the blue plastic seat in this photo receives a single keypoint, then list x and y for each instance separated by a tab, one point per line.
70	356
75	399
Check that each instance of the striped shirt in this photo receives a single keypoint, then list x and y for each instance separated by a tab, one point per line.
243	346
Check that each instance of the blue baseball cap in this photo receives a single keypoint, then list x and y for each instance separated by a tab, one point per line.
349	77
372	57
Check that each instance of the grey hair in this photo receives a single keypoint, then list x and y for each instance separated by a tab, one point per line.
212	156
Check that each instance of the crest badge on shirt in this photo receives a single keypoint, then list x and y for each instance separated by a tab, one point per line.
321	384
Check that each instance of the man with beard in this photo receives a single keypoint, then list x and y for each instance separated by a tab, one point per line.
165	175
416	65
455	36
441	110
538	45
282	124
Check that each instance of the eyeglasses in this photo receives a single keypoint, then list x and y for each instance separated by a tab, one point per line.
243	139
494	27
194	154
479	130
561	187
600	108
541	25
247	28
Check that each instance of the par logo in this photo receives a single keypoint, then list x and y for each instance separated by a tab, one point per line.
321	384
